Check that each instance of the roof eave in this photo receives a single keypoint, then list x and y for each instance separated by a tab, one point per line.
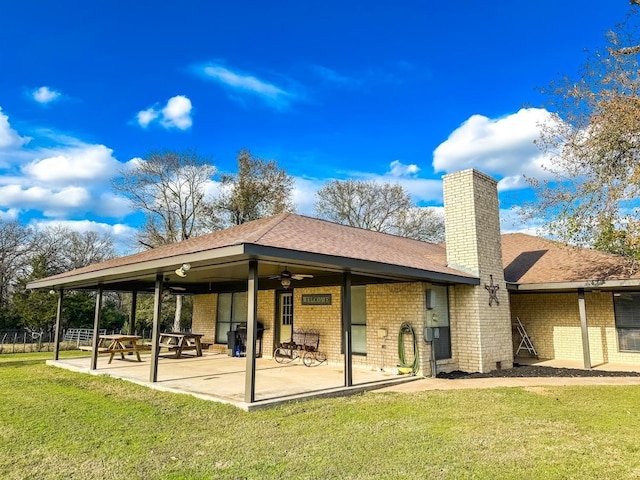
246	251
364	267
582	284
138	269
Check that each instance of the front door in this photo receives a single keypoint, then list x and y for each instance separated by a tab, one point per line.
285	316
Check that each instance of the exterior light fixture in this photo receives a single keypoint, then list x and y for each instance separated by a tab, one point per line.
182	271
286	282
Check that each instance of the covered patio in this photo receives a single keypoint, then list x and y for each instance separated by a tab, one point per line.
252	259
220	378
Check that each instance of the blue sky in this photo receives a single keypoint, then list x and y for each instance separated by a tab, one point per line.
401	91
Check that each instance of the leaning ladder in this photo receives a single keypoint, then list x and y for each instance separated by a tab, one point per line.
525	340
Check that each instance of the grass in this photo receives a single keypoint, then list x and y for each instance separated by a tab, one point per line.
57	424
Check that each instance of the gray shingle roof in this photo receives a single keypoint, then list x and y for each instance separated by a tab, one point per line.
290	231
529	259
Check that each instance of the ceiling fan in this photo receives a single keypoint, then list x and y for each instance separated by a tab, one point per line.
167	289
286	276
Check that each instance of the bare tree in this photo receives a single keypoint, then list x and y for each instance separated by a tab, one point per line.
259	189
421	223
593	141
63	249
170	188
15	247
382	207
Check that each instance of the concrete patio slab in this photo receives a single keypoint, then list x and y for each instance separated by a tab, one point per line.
220	378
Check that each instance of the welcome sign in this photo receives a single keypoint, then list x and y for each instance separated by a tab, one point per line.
316	299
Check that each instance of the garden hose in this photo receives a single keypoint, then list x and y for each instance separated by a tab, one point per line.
406	328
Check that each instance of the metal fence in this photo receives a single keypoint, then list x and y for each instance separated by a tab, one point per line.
22	341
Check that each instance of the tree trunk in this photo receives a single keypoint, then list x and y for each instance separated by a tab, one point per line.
176	319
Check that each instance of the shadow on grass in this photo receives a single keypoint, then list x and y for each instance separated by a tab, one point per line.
22	363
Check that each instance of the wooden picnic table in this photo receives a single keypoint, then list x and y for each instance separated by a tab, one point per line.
117	343
181	341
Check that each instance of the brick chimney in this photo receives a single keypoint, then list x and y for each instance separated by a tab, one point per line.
481	332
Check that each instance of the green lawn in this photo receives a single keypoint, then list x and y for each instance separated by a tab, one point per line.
59	424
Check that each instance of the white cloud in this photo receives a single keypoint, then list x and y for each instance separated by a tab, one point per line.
512	221
45	95
54	203
247	84
175	114
399	169
8	136
420	189
112	206
145	117
78	163
304	194
503	147
66	179
9	215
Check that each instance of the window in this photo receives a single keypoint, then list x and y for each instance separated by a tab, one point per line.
626	306
437	303
359	320
232	310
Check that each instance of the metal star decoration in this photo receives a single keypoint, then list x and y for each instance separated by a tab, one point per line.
493	292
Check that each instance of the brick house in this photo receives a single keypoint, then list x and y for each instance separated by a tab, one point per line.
358	288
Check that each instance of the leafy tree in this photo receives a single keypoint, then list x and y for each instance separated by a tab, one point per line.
593	142
35	309
55	250
259	189
382	207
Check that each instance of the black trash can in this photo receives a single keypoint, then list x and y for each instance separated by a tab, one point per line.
232	343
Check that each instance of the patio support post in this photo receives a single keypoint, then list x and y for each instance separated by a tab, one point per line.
585	329
96	330
155	334
252	327
346	325
132	316
56	341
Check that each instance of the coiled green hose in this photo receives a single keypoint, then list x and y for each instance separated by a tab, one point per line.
415	365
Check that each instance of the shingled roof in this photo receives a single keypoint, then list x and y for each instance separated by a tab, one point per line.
535	260
529	262
284	233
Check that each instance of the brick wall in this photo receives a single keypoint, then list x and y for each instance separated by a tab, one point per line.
552	320
388	306
326	319
205	308
482	336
